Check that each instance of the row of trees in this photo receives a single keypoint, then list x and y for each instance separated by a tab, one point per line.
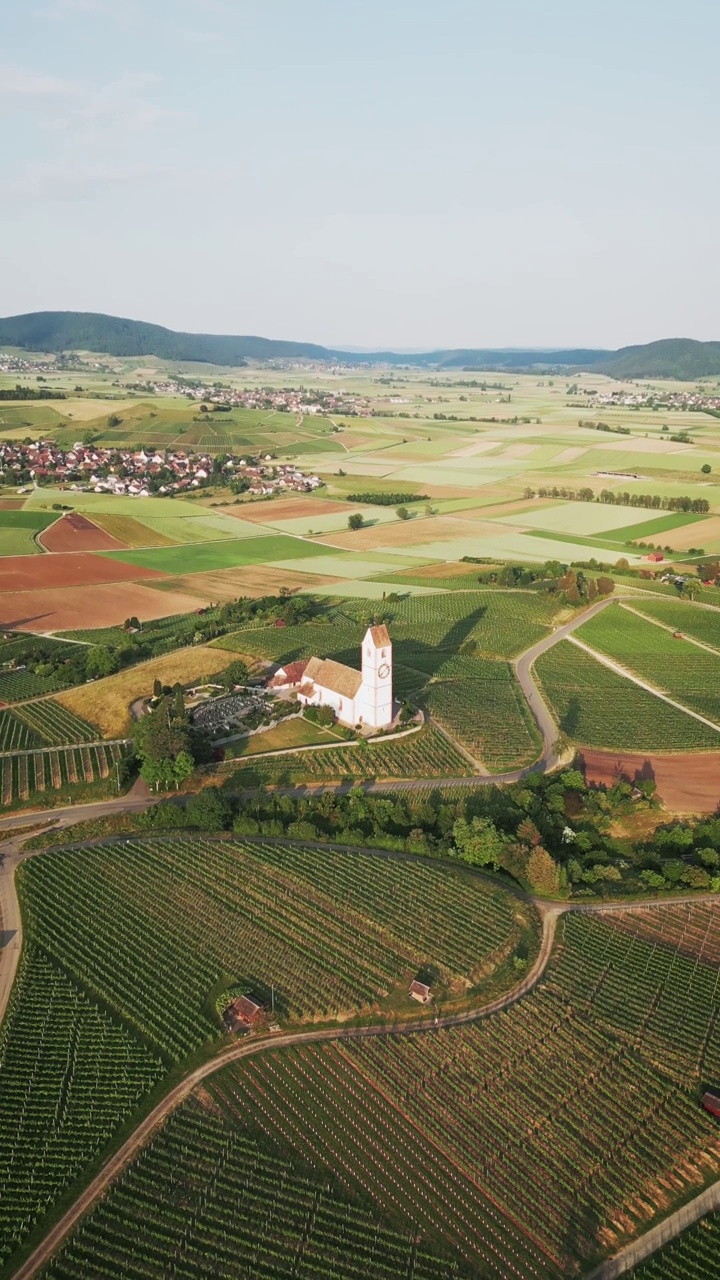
651	501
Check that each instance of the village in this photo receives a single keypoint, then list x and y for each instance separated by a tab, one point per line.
141	473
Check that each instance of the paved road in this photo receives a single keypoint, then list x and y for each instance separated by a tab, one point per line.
251	1047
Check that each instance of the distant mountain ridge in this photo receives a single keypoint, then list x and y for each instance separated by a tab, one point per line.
57	331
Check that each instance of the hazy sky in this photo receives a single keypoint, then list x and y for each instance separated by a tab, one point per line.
370	172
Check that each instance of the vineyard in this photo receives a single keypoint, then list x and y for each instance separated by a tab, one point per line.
694	1256
31	774
151	927
54	724
587	1089
69	1074
598	708
702	624
481	705
497	624
207	1198
677	667
692	928
425	754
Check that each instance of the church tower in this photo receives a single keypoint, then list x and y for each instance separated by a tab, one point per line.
377	685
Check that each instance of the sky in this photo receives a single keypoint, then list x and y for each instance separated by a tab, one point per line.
376	173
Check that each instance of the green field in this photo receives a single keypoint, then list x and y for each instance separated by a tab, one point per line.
480	704
597	708
18	530
683	670
206	557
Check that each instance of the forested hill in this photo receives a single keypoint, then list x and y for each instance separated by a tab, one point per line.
56	331
681	358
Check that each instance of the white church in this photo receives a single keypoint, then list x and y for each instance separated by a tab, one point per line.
357	697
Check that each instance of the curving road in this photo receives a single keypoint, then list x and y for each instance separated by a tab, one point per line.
550	913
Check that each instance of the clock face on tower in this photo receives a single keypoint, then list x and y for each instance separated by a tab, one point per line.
383	670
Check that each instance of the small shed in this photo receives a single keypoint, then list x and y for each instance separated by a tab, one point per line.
655	557
241	1013
419	991
711	1102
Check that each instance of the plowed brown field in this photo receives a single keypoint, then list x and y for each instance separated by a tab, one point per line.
78	608
247	580
284	509
75	532
80	569
686	783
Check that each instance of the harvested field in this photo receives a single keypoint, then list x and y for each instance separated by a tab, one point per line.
404	533
11	504
250	580
685	783
131	532
79	569
76	533
285	509
106	703
704	533
77	608
430	571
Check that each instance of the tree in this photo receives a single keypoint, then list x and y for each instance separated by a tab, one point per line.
210	810
402	513
235	673
706	468
157	688
101	662
605	585
543	872
478	842
182	768
356	520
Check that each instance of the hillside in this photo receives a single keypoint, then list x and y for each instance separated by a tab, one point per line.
55	331
682	358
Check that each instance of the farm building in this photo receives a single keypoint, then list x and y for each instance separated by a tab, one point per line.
242	1013
357	697
420	991
289	676
655	557
711	1102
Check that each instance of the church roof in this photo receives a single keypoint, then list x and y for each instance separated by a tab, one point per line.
334	676
380	636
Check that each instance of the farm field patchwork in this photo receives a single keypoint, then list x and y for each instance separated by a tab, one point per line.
214	555
154	927
74	532
596	707
683	670
109	604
